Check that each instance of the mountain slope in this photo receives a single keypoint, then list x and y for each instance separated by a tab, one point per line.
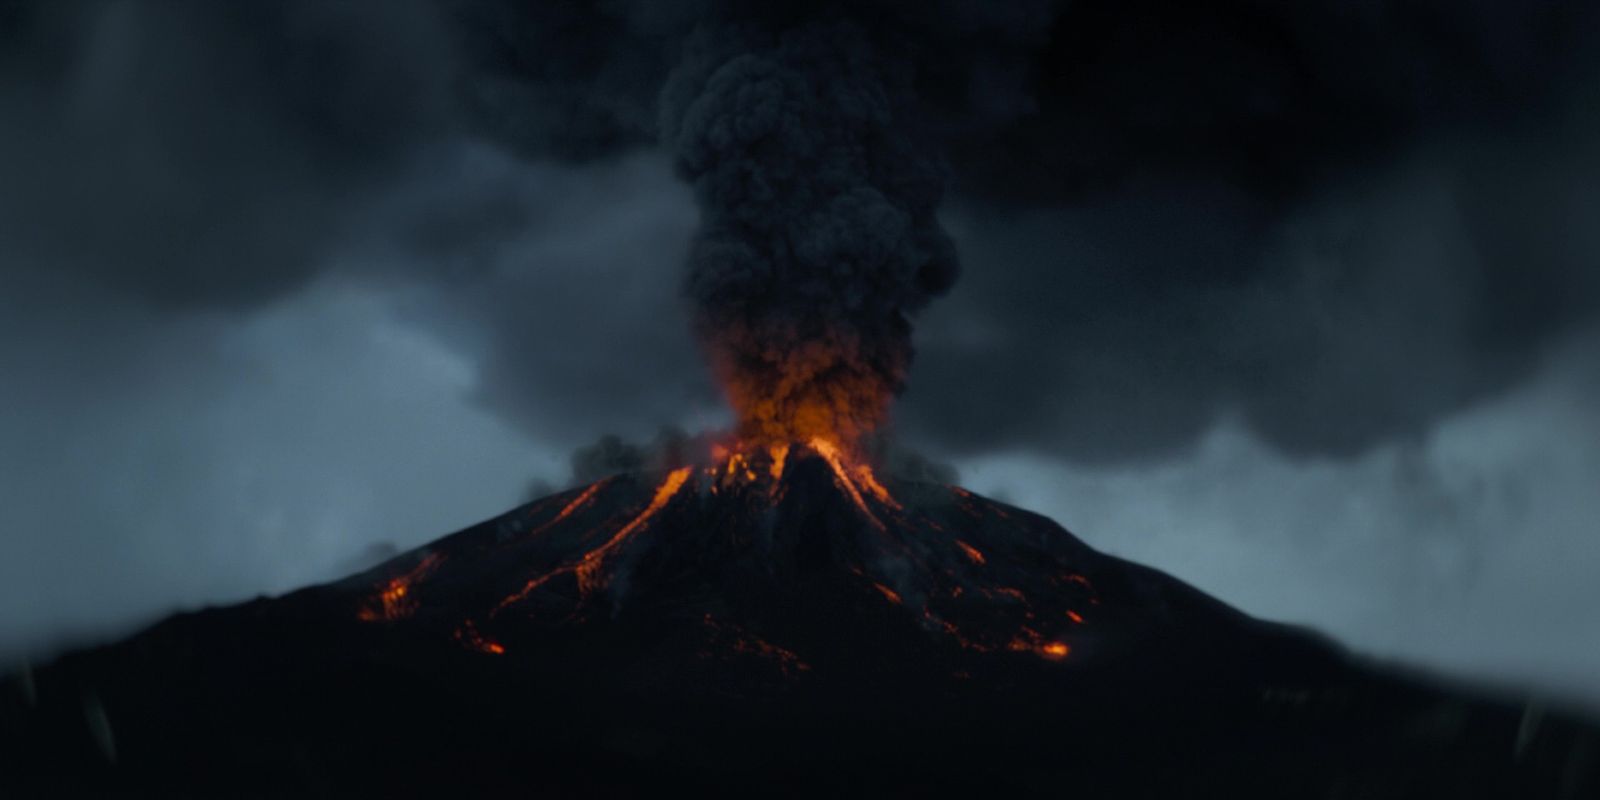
786	625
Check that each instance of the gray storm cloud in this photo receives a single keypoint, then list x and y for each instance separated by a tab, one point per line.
1341	226
1128	186
194	154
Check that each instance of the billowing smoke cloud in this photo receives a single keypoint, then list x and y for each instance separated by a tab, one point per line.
812	136
818	237
1337	225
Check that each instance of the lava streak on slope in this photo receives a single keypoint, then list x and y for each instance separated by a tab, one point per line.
957	570
590	579
470	638
842	474
723	624
587	568
578	503
394	600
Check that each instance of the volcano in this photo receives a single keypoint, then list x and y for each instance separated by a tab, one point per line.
777	622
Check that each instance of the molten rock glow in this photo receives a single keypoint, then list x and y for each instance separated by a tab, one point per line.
958	568
818	390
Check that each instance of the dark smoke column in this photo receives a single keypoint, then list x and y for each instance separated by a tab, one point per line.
818	239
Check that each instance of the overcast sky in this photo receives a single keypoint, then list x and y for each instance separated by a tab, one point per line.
1298	305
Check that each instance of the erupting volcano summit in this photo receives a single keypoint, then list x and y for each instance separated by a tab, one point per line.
1205	203
742	533
773	616
773	621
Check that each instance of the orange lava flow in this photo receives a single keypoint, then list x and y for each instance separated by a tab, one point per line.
587	569
869	480
589	578
470	638
831	453
582	500
522	594
1054	650
1029	640
395	601
779	453
971	552
568	510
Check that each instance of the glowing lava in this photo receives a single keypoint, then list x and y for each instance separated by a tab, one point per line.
970	552
939	562
578	503
394	600
748	462
818	388
842	472
1054	650
590	578
588	568
1030	640
470	638
779	453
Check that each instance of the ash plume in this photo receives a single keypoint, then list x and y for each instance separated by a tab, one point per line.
812	136
818	236
1139	190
